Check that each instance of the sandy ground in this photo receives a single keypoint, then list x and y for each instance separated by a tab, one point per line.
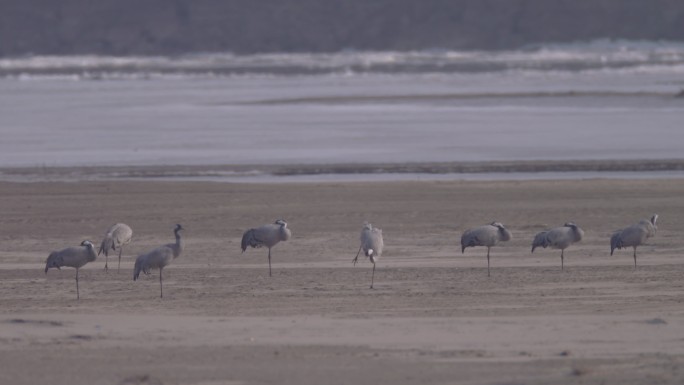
433	318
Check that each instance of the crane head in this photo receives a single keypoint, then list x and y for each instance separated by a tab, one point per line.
87	243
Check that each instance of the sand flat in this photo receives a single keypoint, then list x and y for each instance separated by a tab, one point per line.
433	318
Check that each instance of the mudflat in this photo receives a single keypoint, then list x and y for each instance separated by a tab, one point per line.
434	316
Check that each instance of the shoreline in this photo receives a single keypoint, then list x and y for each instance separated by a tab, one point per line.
357	172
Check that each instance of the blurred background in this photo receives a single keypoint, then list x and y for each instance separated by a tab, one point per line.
168	27
301	82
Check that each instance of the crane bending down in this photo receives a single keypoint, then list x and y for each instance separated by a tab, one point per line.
117	236
75	257
267	235
487	235
159	258
634	235
371	244
558	238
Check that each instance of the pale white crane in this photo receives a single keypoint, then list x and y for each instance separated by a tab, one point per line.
487	235
634	235
558	238
371	244
267	235
75	257
116	237
159	258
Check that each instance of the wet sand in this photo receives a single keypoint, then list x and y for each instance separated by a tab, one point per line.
433	318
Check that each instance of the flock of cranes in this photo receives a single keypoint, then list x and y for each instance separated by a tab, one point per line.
560	237
372	244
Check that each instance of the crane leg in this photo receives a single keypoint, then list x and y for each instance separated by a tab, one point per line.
488	262
634	258
357	256
78	295
269	263
106	260
119	268
373	275
161	287
562	251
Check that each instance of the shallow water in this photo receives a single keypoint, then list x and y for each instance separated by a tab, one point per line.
389	108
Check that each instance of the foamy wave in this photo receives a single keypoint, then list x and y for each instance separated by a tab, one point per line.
600	55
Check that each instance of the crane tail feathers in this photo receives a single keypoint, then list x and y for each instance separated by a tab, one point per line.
540	241
471	243
107	243
615	242
249	239
53	261
464	240
469	240
245	240
138	268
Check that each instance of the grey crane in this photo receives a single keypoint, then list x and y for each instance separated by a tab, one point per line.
487	235
159	258
371	244
558	238
634	235
267	235
116	237
75	257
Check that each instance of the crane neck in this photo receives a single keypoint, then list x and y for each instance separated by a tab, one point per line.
91	253
180	244
579	233
284	232
505	234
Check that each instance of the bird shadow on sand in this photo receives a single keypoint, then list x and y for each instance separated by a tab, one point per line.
33	322
143	379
